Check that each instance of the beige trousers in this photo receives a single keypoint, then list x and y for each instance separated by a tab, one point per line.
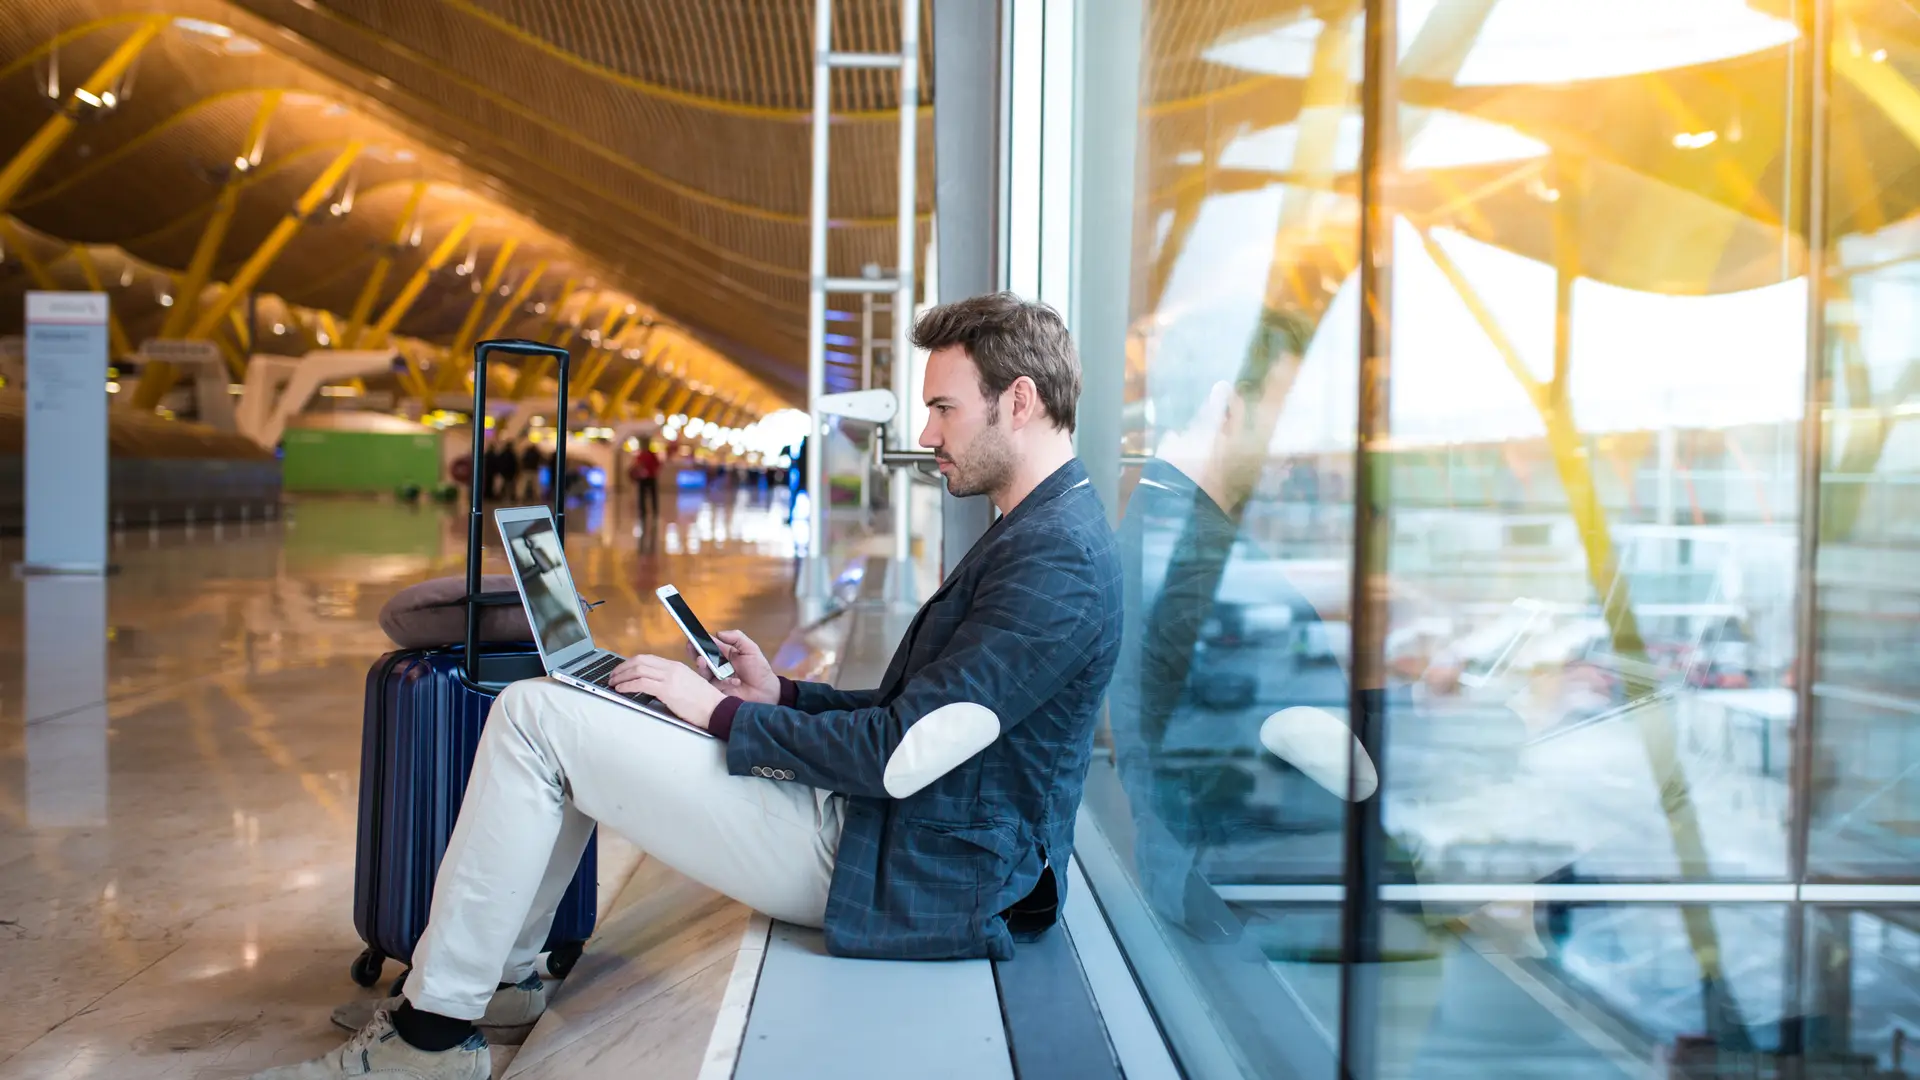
552	762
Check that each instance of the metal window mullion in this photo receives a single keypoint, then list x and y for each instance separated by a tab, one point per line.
817	276
1361	975
902	316
1809	135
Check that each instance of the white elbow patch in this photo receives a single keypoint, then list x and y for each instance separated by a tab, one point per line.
1318	743
939	742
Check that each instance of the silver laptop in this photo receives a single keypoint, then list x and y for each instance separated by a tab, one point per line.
558	618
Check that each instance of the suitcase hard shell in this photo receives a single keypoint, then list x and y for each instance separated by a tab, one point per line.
424	713
423	724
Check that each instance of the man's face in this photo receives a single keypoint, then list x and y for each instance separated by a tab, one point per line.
964	428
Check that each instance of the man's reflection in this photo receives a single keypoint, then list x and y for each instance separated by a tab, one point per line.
1181	527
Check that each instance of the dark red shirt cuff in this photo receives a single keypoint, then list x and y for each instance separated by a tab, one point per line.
720	724
789	692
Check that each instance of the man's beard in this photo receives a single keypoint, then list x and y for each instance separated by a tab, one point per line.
988	466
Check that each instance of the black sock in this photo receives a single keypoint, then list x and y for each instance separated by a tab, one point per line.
430	1031
506	986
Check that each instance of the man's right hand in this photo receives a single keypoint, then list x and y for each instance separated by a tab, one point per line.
753	678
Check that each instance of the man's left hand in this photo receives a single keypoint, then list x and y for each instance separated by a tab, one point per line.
678	687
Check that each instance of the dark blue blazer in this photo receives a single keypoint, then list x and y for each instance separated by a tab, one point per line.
1027	625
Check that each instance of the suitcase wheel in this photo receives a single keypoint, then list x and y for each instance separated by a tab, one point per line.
561	960
366	967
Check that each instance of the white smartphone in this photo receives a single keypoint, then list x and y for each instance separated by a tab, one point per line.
690	626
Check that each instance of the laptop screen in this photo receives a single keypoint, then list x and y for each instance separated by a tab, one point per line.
552	602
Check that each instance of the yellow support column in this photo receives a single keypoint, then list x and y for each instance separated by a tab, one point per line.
499	321
457	364
631	383
54	132
377	337
257	264
526	378
158	379
650	401
116	333
595	367
606	327
377	280
186	299
678	401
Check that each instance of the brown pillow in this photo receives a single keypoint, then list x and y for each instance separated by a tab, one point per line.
434	613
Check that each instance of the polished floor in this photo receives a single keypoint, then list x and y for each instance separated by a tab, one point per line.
179	755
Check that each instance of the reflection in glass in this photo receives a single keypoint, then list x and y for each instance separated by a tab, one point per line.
1865	794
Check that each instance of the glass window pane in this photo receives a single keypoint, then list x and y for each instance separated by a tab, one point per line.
1586	504
1864	793
1227	734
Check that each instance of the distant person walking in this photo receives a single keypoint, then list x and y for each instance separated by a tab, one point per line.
531	462
797	478
644	470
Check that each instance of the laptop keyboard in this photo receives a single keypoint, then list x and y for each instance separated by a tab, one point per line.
601	671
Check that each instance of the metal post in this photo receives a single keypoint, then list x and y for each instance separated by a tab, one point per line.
902	352
968	183
1109	94
1831	998
1361	989
866	383
817	293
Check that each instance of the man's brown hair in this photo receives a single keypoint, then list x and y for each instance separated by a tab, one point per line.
1008	337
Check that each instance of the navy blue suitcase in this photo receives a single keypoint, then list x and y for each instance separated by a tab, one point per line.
424	713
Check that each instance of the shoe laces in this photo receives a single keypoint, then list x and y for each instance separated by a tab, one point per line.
364	1039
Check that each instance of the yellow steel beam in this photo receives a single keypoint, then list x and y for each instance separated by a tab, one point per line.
186	300
499	321
621	393
377	279
457	360
1611	589
116	332
17	240
597	363
236	360
650	401
628	385
526	377
410	292
257	264
158	378
679	400
579	384
28	160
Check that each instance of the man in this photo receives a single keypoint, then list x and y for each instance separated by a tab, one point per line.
922	819
645	473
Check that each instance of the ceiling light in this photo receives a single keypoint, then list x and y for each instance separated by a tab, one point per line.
109	100
166	300
201	26
322	338
1879	56
403	155
540	308
86	95
242	164
279	328
1695	140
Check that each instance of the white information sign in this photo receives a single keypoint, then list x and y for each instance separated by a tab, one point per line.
66	466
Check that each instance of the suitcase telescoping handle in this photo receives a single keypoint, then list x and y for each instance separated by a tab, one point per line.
476	517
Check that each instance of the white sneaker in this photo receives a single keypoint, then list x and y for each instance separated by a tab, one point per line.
511	1012
378	1052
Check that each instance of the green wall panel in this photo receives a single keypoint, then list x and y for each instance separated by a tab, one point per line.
321	460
